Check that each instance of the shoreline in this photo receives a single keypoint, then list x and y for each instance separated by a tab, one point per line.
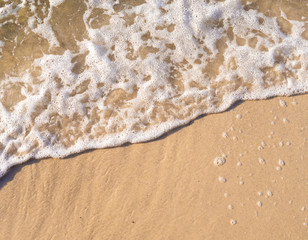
170	188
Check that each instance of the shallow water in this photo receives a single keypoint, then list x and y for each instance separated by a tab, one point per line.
77	74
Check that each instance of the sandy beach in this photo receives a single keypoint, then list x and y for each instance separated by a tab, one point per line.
170	188
78	75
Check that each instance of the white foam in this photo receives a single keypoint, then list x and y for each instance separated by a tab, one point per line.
55	3
109	102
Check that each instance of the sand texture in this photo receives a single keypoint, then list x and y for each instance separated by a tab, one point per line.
170	188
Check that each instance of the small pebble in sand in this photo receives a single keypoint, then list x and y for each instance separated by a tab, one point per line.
230	207
282	103
226	195
278	168
262	161
260	193
281	162
219	161
305	223
239	164
241	182
233	222
238	116
259	203
222	179
260	148
303	208
281	144
288	143
235	138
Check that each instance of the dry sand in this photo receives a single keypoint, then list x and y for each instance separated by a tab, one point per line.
170	188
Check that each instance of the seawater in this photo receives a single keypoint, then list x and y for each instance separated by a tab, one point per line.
83	74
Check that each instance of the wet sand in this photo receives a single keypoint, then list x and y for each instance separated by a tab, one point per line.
170	188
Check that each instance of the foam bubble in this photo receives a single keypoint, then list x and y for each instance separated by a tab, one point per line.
262	161
282	103
219	161
259	204
281	162
233	221
222	179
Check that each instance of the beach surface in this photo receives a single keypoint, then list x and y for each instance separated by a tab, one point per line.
77	75
174	187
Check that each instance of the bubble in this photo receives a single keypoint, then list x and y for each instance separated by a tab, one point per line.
230	207
285	120
282	103
281	162
233	222
262	161
219	161
222	179
269	193
225	135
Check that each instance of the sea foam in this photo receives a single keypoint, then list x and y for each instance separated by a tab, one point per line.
77	75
